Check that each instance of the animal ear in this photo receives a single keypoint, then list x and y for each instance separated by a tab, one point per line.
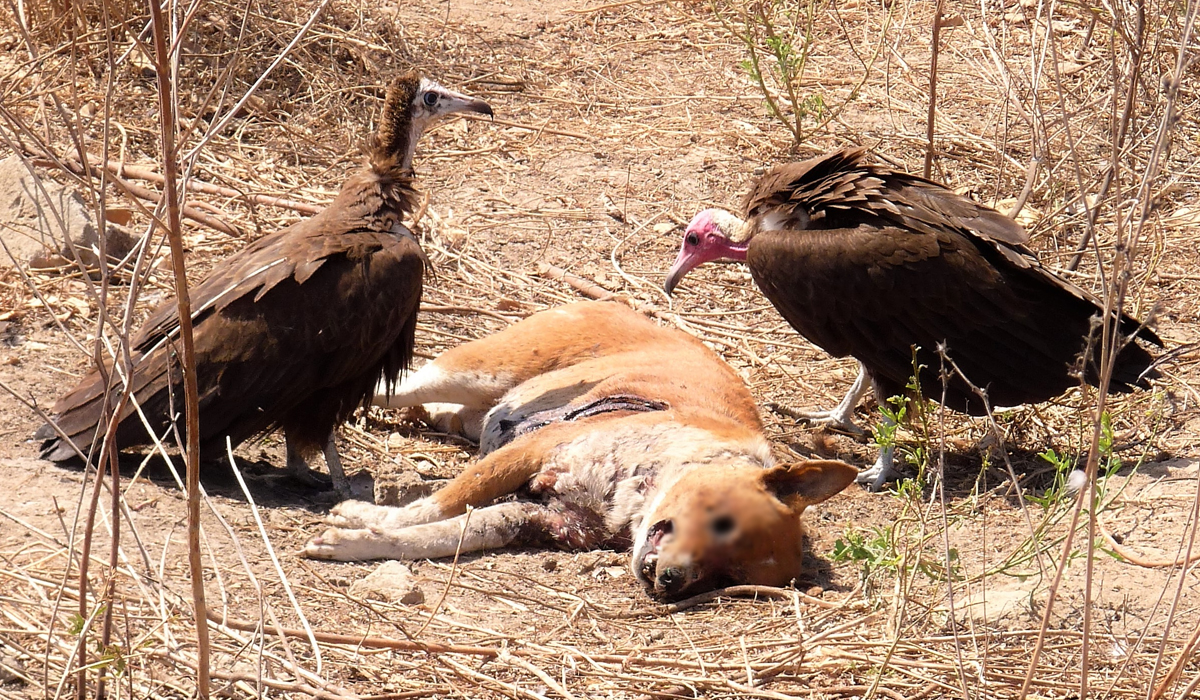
804	483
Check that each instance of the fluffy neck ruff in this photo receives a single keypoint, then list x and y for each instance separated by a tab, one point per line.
393	145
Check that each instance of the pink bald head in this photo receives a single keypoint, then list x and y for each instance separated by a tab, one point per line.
708	238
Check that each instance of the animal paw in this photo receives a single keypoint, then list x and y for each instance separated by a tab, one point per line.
355	514
343	544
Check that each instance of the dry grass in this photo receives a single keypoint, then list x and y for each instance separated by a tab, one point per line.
618	121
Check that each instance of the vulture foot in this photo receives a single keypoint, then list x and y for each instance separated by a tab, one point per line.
840	418
298	466
836	419
880	473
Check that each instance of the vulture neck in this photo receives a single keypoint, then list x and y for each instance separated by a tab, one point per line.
736	230
735	250
398	154
406	145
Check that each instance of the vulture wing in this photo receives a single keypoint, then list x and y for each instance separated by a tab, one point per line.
294	331
867	262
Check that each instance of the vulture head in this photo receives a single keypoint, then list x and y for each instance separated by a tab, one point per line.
713	234
413	103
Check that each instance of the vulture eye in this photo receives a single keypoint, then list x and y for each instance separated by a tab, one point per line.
723	526
431	99
693	239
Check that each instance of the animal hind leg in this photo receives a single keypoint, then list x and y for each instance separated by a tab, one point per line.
478	373
497	474
487	528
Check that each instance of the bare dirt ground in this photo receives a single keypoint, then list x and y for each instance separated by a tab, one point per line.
615	123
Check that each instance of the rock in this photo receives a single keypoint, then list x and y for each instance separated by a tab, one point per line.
11	669
400	486
392	582
33	214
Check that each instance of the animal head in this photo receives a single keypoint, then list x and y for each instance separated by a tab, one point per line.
713	234
729	524
414	103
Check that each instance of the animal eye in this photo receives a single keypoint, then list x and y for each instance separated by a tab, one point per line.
431	99
693	239
723	526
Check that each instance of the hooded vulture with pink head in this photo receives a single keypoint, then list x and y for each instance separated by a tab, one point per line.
869	262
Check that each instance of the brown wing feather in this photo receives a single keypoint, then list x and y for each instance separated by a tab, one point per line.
875	293
293	331
837	190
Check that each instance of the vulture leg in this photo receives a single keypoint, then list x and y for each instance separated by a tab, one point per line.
840	418
884	469
881	472
298	466
334	464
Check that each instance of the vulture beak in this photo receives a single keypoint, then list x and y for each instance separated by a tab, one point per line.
705	240
458	102
684	263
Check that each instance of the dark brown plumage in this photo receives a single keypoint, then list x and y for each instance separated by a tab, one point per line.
295	331
870	262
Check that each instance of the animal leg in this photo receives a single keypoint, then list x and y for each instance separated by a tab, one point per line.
454	419
487	528
497	474
447	381
840	418
298	465
884	469
881	472
334	464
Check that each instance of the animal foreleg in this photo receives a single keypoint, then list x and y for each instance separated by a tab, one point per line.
487	528
498	474
840	418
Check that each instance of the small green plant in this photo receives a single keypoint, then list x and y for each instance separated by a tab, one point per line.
1063	466
872	550
778	37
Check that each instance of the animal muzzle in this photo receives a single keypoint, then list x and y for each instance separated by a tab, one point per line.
664	574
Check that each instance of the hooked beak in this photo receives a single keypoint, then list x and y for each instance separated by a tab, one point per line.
458	102
683	265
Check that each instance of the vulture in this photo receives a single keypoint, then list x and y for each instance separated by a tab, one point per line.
869	262
296	330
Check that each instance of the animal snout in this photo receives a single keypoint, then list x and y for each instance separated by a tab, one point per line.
670	580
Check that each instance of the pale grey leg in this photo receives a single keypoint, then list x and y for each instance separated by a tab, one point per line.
842	417
880	473
884	469
492	527
300	470
334	464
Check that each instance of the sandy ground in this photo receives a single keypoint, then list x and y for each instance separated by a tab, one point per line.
614	126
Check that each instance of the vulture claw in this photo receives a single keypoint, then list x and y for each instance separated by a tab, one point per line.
879	474
835	418
840	418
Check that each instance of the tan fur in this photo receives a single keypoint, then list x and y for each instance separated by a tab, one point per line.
674	460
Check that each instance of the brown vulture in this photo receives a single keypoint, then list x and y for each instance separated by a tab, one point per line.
296	330
866	261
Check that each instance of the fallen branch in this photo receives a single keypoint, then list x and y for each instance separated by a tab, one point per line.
74	167
138	172
592	290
